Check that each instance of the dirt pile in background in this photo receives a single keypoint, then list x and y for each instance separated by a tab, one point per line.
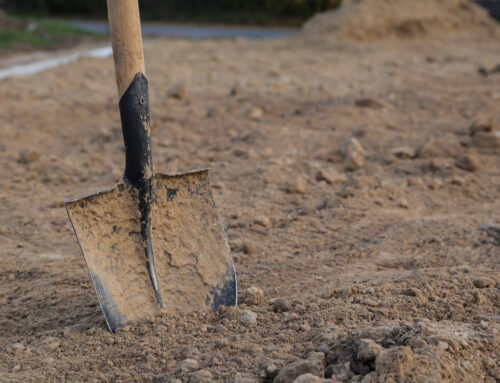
366	20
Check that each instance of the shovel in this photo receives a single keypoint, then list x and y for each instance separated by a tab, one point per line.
153	243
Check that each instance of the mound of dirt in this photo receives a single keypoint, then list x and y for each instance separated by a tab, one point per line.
366	20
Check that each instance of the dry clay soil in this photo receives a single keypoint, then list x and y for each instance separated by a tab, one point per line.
372	243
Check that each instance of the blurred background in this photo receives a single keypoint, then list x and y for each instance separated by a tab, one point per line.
264	12
52	24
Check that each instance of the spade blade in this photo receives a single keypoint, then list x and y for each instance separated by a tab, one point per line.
193	262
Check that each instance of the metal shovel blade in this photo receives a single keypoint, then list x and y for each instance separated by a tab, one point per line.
193	262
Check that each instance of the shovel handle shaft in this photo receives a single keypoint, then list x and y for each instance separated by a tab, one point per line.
126	38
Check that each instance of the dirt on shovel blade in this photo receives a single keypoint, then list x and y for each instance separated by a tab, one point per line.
193	263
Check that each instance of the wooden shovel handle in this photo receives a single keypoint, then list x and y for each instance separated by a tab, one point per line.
126	38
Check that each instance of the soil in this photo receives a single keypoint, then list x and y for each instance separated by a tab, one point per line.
366	20
335	173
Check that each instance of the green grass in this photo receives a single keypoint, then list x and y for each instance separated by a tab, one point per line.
39	33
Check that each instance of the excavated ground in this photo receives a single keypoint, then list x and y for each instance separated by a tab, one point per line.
351	185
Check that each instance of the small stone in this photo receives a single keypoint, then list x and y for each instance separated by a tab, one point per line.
27	156
469	162
482	125
281	305
269	370
434	165
248	247
237	214
235	90
483	282
484	324
15	348
303	366
202	376
404	152
240	378
240	152
395	360
256	113
339	371
305	327
187	365
308	378
403	203
330	176
299	186
467	365
441	345
485	140
316	355
368	350
417	293
16	368
124	329
489	363
248	318
253	296
492	229
479	299
262	220
218	185
458	181
51	343
371	302
446	146
178	91
353	154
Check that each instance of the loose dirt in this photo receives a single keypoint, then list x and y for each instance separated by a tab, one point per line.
366	20
383	271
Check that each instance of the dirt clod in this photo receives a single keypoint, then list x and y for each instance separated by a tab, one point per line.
353	154
187	365
482	125
262	220
27	156
483	282
331	176
396	360
248	318
299	186
469	162
368	350
281	305
439	147
178	91
253	296
293	370
308	378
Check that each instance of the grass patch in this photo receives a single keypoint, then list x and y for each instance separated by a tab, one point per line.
35	33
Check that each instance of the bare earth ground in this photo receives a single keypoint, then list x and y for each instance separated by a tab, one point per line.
389	252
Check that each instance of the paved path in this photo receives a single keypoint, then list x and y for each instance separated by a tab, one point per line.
196	32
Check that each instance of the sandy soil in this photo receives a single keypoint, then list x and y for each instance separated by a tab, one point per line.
339	172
